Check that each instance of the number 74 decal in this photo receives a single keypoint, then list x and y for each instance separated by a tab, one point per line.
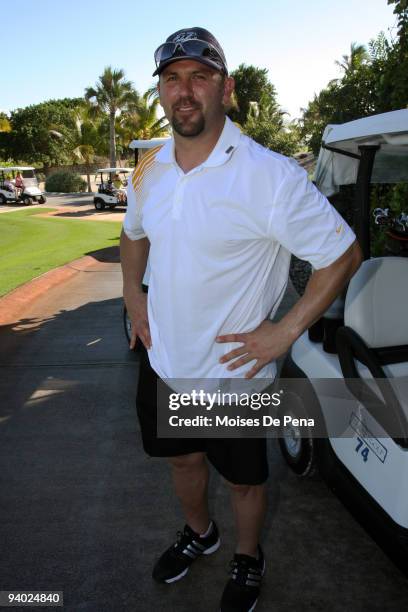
362	448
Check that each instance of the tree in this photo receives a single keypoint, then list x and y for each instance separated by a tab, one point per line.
269	130
251	85
350	97
373	81
143	122
86	142
32	138
257	111
358	56
111	96
395	78
5	125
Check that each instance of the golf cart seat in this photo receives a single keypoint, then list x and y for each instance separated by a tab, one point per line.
373	343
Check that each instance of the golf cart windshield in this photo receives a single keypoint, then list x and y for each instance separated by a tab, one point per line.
27	174
29	178
339	157
361	152
107	174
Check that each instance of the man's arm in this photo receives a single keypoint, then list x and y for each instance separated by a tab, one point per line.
271	340
133	256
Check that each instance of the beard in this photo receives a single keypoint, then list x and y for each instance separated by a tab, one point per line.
186	126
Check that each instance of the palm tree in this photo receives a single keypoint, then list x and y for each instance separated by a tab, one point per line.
358	55
83	142
143	123
112	96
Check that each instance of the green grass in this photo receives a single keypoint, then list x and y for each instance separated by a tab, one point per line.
31	245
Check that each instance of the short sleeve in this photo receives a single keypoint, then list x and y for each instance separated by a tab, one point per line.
305	222
132	223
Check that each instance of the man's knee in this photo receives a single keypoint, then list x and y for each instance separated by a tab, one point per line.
190	462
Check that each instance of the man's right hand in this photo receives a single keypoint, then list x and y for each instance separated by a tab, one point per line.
136	305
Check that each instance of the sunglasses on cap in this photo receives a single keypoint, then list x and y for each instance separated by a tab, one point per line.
191	48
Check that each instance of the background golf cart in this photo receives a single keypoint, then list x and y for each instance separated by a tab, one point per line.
30	192
107	194
363	337
140	147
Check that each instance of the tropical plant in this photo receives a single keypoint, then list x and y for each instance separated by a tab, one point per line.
350	97
350	63
251	85
87	142
268	128
64	181
5	125
143	122
32	138
112	96
256	109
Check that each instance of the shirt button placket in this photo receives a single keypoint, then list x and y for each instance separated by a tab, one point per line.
178	198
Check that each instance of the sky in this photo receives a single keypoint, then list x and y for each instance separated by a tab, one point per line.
61	47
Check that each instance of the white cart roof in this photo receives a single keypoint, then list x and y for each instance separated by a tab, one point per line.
388	130
147	144
17	168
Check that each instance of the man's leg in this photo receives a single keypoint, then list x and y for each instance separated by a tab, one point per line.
190	479
249	506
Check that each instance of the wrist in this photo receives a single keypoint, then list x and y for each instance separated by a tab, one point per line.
132	289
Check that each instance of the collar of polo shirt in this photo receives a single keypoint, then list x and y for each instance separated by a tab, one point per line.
221	153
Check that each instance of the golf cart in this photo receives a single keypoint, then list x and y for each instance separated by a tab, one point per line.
362	342
112	183
28	193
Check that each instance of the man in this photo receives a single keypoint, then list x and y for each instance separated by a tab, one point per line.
218	215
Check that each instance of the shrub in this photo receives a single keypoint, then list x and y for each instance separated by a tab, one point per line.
65	182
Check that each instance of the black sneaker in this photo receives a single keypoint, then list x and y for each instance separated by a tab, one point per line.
242	589
176	560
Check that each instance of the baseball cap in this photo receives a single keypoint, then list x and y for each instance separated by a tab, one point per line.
191	43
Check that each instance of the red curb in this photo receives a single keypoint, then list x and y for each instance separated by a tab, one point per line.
13	304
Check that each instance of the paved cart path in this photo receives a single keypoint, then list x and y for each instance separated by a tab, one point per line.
83	510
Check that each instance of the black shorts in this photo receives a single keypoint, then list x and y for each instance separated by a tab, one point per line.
238	460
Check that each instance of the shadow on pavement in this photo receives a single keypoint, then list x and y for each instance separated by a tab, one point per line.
108	254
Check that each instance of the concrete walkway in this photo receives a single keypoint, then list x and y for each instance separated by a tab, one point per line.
84	511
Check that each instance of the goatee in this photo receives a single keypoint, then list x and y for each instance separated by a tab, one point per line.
187	129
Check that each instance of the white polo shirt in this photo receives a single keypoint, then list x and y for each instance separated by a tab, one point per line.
221	237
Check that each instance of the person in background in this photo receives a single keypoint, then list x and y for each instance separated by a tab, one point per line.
9	184
19	183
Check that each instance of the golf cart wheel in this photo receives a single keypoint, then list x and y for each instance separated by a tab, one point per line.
297	448
27	201
42	199
3	199
298	454
99	204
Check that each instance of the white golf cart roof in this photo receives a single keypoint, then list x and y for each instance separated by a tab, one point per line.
148	144
17	168
387	130
117	170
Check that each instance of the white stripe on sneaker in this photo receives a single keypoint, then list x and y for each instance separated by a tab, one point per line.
183	573
212	548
